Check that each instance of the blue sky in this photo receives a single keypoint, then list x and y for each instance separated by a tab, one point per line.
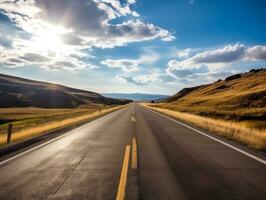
129	46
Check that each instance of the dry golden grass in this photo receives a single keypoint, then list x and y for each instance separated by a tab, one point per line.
30	122
238	131
218	112
23	118
239	99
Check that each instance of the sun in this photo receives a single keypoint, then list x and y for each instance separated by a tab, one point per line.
49	40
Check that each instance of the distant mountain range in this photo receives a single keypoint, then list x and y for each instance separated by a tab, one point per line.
136	96
21	92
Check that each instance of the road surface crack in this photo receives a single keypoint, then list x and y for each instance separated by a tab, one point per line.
71	172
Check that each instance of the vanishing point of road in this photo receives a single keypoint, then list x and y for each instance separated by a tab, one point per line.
135	153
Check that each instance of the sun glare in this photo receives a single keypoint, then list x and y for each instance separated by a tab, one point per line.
49	40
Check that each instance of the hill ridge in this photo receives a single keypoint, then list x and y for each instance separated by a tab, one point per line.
22	92
237	97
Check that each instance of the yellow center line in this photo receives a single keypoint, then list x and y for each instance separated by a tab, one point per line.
123	178
133	119
134	159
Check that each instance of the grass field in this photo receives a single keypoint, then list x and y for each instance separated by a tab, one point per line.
30	122
249	132
238	99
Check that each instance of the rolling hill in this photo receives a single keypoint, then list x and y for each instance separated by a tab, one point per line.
21	92
136	96
238	97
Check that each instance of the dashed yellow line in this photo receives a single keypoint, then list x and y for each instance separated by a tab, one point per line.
123	178
133	119
134	159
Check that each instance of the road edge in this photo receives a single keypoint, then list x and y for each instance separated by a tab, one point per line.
15	149
241	148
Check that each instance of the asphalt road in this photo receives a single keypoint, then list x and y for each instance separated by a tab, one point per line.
100	161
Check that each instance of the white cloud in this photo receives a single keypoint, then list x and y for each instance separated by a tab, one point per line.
120	78
185	53
148	79
49	32
132	65
89	22
23	54
68	65
132	31
126	65
195	68
152	78
149	58
135	14
255	53
227	54
35	58
215	60
131	1
139	80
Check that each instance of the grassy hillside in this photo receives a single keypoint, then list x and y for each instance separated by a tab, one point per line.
234	108
239	97
20	92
